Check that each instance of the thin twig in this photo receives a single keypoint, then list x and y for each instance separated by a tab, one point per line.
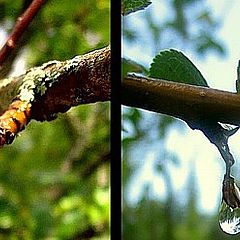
22	23
183	101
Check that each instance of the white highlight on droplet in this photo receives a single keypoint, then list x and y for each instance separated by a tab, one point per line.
229	219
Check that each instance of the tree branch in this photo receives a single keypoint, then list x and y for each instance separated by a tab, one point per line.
183	101
54	87
21	25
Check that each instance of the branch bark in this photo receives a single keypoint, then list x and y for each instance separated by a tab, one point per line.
54	87
183	101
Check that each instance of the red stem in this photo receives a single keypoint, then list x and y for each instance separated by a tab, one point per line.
21	25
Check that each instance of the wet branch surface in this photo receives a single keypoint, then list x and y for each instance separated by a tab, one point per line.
182	101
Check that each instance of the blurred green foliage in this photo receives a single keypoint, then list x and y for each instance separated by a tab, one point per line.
54	178
184	24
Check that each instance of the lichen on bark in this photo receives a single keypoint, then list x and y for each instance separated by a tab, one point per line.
53	87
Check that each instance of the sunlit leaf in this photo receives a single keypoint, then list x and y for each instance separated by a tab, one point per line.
130	6
174	66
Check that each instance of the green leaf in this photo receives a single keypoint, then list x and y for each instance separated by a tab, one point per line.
130	6
174	66
131	66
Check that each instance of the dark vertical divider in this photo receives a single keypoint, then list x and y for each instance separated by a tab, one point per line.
116	119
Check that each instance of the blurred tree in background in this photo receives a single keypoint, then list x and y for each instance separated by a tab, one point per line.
54	178
190	26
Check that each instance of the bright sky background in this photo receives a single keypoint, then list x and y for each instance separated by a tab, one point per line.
20	65
194	150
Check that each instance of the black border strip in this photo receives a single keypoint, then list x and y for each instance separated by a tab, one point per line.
116	120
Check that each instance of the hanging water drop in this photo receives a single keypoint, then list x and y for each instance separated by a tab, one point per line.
229	215
229	219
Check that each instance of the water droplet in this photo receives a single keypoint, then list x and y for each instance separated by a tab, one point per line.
229	218
229	215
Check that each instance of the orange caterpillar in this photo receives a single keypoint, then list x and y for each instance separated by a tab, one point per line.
14	120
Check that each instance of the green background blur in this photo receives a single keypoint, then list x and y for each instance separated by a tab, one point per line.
54	178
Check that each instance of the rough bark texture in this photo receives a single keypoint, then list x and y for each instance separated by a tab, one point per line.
84	79
54	87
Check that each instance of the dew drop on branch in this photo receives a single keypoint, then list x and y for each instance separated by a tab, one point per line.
229	219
